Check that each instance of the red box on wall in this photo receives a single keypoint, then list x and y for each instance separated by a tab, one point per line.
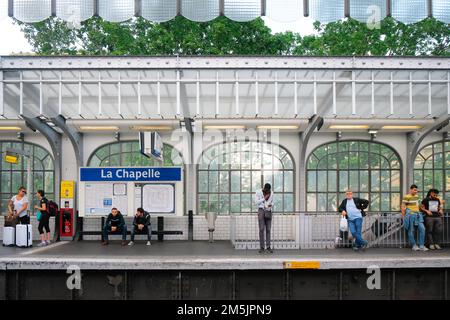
66	222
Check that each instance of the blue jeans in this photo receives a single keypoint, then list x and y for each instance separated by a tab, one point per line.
107	230
414	220
355	227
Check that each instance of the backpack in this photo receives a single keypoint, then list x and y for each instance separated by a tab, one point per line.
52	208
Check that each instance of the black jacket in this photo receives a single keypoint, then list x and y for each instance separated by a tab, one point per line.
145	219
117	221
361	204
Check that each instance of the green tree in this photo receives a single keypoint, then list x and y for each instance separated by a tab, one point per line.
222	36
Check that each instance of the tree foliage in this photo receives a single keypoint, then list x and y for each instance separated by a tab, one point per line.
222	36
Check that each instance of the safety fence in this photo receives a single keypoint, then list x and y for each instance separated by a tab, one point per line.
301	230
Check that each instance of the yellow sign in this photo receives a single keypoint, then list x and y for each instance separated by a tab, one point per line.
301	265
67	188
11	159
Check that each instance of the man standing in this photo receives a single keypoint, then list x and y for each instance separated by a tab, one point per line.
413	218
115	223
264	202
353	210
141	225
431	206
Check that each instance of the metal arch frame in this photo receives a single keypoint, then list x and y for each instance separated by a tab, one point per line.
75	137
315	123
414	140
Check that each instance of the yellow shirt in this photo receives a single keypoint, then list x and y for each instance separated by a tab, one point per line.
411	202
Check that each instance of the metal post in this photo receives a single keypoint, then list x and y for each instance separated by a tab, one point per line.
29	185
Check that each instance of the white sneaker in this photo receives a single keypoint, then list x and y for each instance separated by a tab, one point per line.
415	248
432	247
423	248
48	242
437	247
131	243
42	244
148	243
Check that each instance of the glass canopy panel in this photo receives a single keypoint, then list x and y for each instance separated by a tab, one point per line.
327	11
32	10
441	10
242	10
284	10
409	11
74	10
159	10
116	10
200	10
370	11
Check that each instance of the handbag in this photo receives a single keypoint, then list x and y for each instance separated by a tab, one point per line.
343	225
38	216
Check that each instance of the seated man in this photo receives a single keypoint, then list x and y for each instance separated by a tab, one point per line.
141	225
115	223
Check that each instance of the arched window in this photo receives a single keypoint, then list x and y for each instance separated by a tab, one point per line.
432	169
13	176
229	174
371	170
127	154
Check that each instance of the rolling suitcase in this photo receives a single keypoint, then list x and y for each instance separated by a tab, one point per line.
9	236
24	237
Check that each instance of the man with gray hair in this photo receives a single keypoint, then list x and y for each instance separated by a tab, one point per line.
353	210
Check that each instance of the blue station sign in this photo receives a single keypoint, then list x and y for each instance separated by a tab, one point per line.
129	174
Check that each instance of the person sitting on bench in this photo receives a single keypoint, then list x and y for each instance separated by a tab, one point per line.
141	225
115	223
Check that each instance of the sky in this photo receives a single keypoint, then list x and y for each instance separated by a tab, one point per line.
12	39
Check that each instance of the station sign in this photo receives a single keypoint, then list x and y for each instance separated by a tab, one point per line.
134	174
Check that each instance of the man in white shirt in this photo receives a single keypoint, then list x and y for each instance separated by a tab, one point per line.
264	202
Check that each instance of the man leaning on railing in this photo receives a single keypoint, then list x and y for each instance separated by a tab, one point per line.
353	210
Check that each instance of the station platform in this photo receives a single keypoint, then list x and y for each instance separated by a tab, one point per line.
201	255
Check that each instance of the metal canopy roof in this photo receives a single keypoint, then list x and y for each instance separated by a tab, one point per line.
223	88
75	11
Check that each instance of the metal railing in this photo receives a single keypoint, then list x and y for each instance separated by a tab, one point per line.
300	230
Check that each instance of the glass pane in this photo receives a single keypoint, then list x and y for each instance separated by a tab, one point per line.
284	10
312	181
395	180
287	162
288	181
322	202
438	179
332	202
332	181
395	202
364	181
372	11
343	160
256	160
116	10
213	203
49	182
326	11
235	181
245	181
203	181
203	203
427	179
256	181
242	10
311	204
322	181
224	204
103	152
288	202
235	203
6	182
213	181
375	202
385	202
115	148
343	180
38	182
74	11
332	161
200	10
277	181
278	202
32	10
159	10
409	11
375	161
385	180
246	203
375	183
224	182
17	182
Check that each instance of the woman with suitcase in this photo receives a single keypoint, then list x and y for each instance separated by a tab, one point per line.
18	206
